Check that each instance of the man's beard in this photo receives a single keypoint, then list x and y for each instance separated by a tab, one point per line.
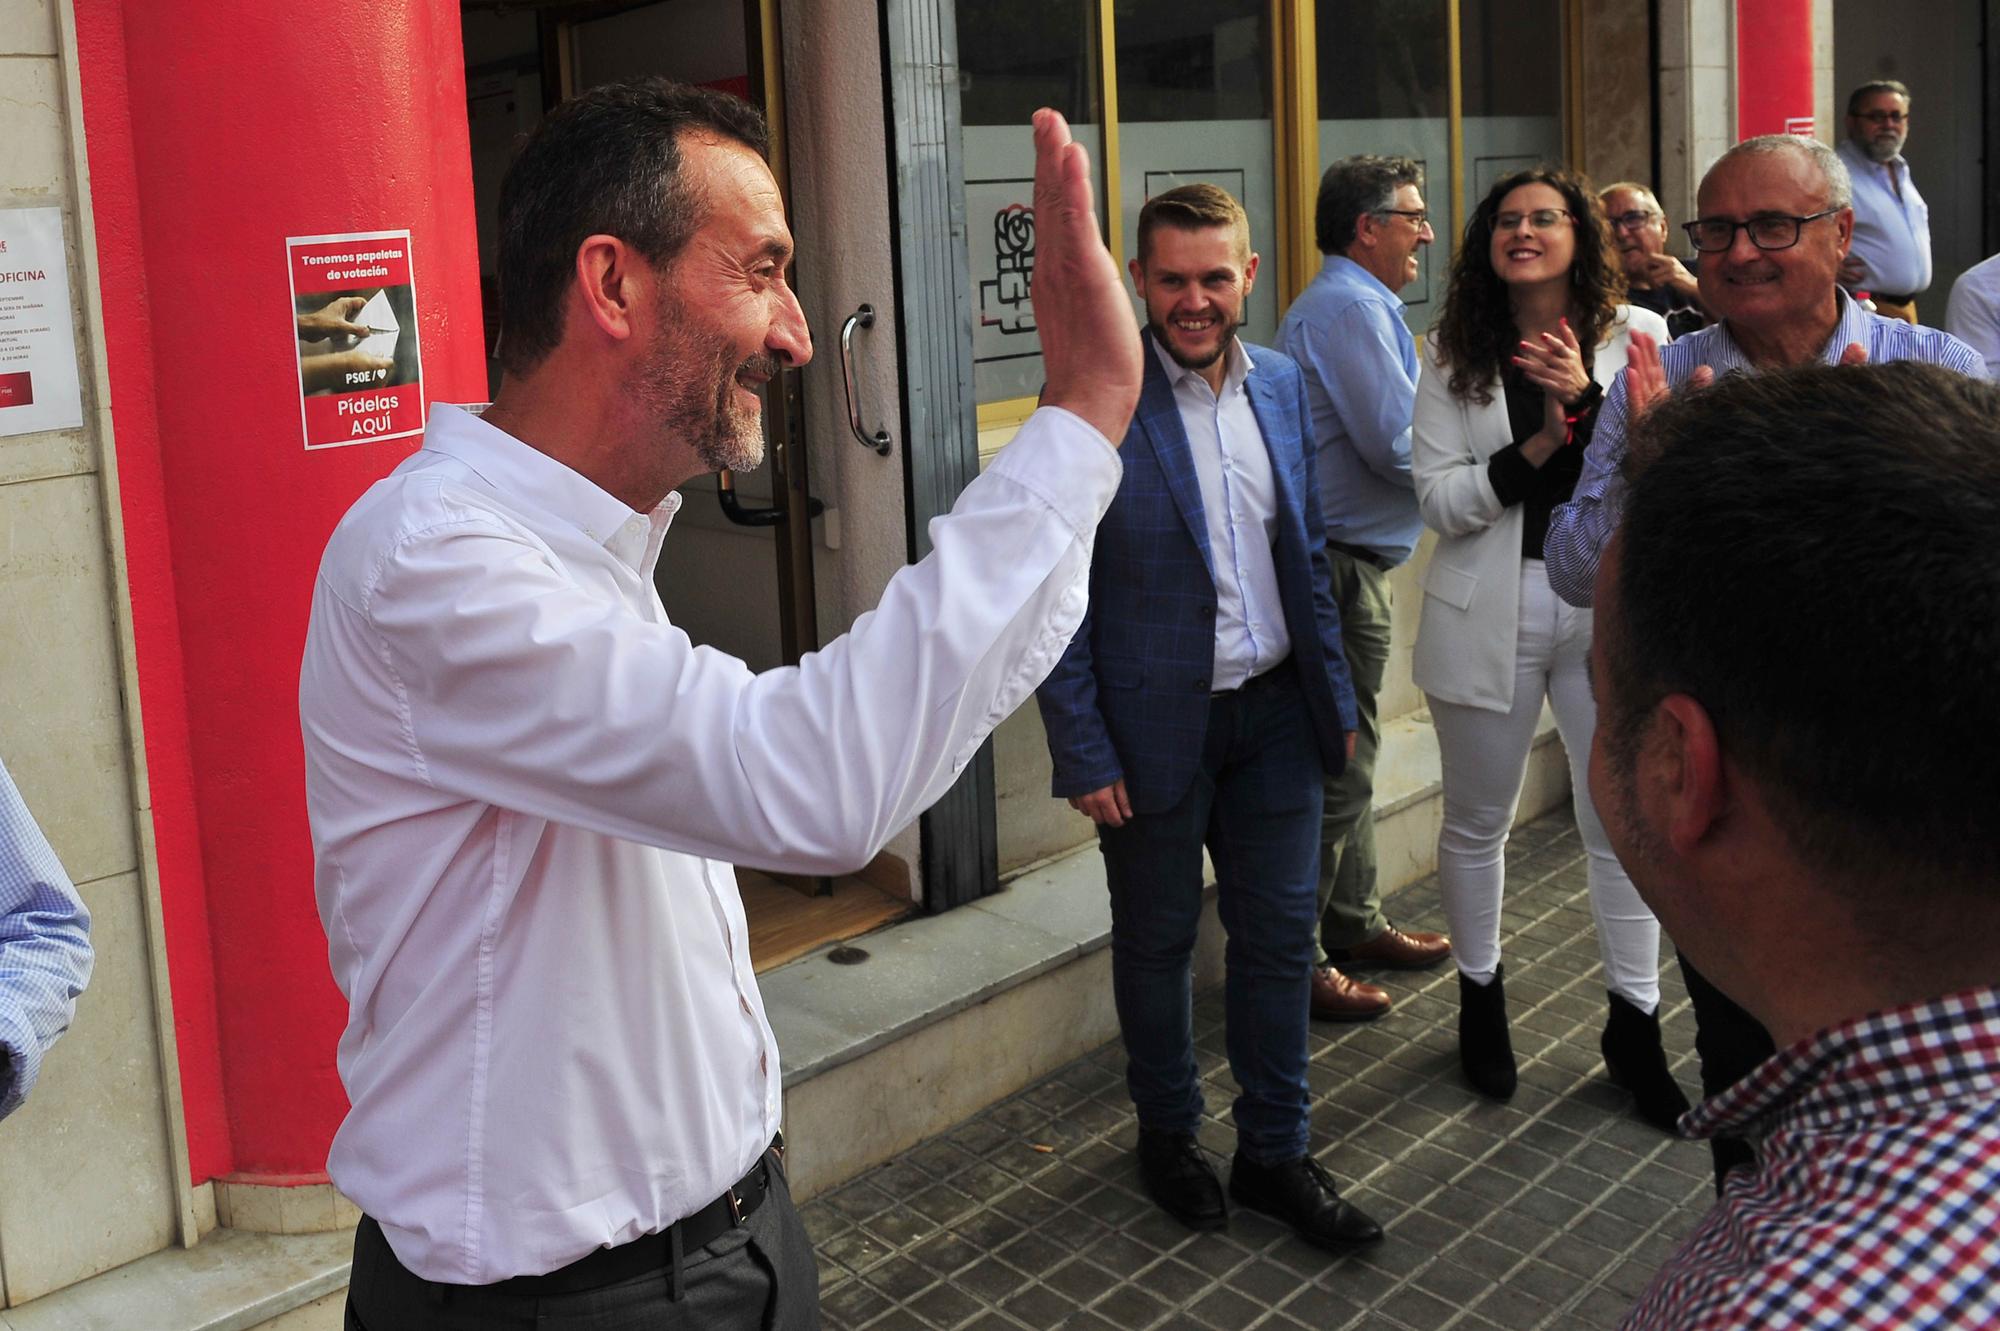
690	389
1161	335
1884	149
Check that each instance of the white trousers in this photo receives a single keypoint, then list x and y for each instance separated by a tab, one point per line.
1485	758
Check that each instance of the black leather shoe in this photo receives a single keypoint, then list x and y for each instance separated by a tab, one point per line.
1484	1049
1178	1176
1301	1193
1636	1061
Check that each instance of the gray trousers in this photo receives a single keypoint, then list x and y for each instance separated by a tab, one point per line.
759	1277
1350	904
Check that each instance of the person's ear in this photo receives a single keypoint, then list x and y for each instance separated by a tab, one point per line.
1688	777
607	283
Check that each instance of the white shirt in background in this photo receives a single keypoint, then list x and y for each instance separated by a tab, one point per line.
1973	317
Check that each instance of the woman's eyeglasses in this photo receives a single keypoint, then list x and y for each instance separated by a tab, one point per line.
1542	219
1713	235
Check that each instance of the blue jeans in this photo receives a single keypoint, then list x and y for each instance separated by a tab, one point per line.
1255	803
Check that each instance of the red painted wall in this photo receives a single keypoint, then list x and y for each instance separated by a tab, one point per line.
216	129
1774	67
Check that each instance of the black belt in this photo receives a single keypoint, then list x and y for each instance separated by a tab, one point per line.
651	1252
1361	553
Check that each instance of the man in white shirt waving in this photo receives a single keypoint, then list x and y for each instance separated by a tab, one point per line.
527	787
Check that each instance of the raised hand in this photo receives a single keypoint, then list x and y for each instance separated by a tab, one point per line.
1090	340
1646	379
1554	363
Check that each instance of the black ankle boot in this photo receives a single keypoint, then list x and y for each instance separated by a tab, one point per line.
1483	1047
1632	1053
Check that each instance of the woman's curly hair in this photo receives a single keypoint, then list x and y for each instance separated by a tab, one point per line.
1476	334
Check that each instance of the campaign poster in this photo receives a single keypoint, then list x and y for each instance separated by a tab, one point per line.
354	315
38	379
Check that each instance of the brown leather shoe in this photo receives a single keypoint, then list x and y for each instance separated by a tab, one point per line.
1396	950
1337	998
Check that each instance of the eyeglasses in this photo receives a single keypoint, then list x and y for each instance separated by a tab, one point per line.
1419	217
1542	219
1632	221
1713	235
1883	117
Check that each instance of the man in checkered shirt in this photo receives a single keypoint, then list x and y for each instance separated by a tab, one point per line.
1797	632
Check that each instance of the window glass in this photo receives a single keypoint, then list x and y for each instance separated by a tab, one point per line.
1384	88
1194	104
1014	58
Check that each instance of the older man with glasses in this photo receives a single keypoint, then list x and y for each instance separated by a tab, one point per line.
1347	333
1776	220
1654	279
1891	257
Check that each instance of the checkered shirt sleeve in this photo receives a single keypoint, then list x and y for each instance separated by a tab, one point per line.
45	953
1876	1199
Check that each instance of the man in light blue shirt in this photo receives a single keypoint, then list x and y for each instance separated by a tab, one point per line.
1346	331
1773	224
44	947
1891	258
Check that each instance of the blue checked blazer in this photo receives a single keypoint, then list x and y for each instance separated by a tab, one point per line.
1130	696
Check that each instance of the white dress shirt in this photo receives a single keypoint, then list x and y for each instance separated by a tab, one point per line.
1239	500
527	788
1973	316
1892	224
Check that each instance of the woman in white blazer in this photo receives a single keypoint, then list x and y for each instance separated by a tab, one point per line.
1531	334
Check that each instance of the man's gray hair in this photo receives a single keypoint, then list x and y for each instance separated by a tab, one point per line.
1860	94
1632	187
1839	186
1352	188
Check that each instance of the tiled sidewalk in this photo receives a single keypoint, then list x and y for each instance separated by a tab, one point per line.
1551	1211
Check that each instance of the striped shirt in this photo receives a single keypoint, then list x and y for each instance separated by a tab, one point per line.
1876	1197
44	947
1580	528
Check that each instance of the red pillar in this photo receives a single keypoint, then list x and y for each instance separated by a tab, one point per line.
1774	67
216	129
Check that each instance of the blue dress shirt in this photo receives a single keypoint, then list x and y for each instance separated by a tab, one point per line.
44	947
1346	330
1580	528
1892	231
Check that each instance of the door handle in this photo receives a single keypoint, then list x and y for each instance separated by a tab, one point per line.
863	317
735	510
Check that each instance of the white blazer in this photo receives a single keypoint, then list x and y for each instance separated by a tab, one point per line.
1472	590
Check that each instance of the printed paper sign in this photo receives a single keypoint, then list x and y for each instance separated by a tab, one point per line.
38	381
354	314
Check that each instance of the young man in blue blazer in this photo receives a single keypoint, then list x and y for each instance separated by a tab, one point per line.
1201	703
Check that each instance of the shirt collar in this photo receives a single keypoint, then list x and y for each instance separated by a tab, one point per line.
528	475
1902	1058
1852	326
1237	359
1338	268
